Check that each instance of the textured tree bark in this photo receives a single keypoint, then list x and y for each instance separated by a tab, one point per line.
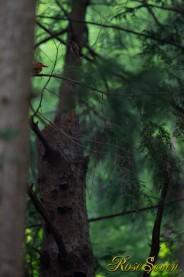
62	187
62	172
16	48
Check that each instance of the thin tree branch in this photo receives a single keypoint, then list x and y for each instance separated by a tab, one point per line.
62	9
166	8
54	35
75	82
115	27
152	13
41	97
132	211
98	90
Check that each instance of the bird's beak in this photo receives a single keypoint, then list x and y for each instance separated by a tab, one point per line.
44	65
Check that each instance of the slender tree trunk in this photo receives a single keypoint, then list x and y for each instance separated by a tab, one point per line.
77	36
16	48
62	172
155	242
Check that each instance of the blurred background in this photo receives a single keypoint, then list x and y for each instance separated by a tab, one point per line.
129	97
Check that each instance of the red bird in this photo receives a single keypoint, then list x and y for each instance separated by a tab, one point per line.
37	68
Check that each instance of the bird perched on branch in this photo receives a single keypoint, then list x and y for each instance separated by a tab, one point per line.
37	68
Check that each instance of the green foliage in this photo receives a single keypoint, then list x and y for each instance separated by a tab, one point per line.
32	254
130	101
164	259
157	141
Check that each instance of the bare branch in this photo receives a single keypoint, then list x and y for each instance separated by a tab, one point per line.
132	211
75	82
54	35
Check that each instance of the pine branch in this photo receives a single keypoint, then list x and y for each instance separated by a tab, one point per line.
152	13
166	8
119	28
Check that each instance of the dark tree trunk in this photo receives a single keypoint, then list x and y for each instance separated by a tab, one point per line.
62	187
62	173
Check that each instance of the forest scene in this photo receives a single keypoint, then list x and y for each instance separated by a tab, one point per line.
91	138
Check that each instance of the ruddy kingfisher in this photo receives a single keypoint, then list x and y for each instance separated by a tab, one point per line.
37	68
